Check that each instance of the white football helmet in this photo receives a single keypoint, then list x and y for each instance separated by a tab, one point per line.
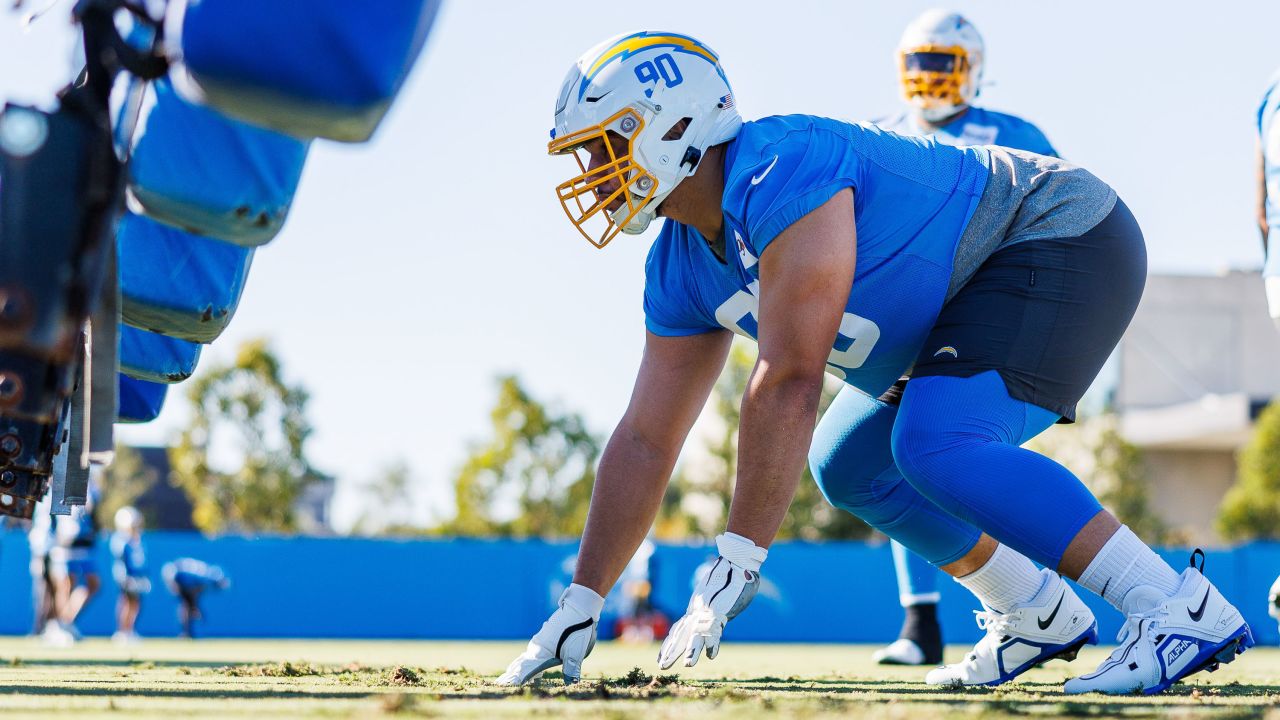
128	518
639	87
940	63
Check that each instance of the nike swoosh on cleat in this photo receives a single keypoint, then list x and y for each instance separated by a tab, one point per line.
1199	612
756	179
1045	623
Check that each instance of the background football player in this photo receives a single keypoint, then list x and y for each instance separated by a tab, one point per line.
941	58
72	566
1269	190
188	579
129	569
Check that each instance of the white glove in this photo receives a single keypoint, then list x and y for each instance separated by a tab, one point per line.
566	637
721	595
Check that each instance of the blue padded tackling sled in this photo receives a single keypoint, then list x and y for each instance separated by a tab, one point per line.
156	358
196	169
178	284
310	68
140	401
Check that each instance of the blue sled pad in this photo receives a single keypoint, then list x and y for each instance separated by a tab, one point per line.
156	358
178	284
310	68
196	169
140	401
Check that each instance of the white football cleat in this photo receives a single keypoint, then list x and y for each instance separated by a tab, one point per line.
1053	624
56	635
900	652
1165	639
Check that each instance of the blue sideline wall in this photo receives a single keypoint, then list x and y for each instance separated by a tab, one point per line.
502	589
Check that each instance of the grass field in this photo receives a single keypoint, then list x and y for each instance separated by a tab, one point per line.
171	679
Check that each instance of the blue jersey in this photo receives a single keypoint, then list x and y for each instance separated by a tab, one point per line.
913	198
977	127
190	574
128	556
1269	133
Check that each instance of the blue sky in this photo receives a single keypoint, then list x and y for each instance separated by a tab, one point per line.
416	268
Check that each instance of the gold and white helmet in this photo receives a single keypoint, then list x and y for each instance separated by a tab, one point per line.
667	96
940	63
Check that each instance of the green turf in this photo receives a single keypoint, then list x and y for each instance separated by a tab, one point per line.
175	679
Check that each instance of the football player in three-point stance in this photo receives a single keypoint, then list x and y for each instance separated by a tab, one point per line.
941	58
1003	278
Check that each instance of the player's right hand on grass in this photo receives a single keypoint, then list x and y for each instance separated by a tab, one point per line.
718	598
565	638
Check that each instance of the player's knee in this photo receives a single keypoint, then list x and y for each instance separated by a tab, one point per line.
922	450
848	491
850	452
866	492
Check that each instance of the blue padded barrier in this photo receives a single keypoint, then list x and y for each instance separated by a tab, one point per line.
196	169
140	401
178	284
310	68
156	358
811	592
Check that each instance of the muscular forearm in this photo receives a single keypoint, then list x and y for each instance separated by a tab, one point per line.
778	413
630	481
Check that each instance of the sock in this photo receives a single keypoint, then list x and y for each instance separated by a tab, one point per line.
921	627
1008	579
1124	563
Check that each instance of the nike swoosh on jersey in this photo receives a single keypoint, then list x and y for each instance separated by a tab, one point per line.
1045	623
756	179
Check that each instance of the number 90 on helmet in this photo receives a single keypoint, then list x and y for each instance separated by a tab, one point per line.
650	104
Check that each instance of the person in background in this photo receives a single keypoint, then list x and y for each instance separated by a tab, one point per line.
129	571
1269	189
43	592
189	578
72	567
640	621
940	63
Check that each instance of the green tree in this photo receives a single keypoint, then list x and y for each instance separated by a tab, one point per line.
810	516
249	413
390	510
532	477
125	480
1122	480
1251	508
1110	466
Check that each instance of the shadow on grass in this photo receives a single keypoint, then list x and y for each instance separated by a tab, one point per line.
1037	699
138	664
191	692
1049	689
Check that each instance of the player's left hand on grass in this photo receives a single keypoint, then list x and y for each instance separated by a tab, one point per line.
718	598
565	638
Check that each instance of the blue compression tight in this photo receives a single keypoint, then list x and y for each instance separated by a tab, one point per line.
917	579
852	460
955	441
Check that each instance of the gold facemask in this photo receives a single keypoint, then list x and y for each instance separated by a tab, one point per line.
585	198
934	74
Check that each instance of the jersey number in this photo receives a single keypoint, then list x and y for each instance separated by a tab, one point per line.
857	335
